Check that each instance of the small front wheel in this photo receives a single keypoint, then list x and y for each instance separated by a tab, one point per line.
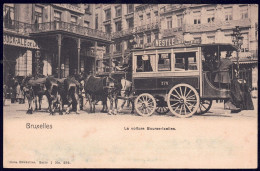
145	104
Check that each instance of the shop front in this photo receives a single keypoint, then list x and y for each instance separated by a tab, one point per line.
19	54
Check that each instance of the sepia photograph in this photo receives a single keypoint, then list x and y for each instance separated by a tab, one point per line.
130	85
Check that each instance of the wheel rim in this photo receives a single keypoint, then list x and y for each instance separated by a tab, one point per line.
183	100
145	104
204	106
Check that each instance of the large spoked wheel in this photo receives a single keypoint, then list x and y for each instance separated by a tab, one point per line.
145	104
204	106
183	100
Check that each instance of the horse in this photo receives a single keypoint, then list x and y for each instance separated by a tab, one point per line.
33	89
95	91
53	95
69	91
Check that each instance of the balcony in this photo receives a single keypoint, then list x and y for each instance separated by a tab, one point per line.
26	29
216	25
147	27
69	27
17	27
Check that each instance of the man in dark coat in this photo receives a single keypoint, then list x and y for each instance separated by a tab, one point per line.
222	75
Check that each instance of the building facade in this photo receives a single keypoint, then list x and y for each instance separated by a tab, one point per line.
50	39
66	38
204	23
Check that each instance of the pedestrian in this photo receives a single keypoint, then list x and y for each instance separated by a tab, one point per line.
19	93
13	94
222	75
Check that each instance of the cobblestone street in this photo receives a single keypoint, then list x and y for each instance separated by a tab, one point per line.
229	139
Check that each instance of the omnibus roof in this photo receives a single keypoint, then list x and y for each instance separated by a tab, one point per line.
222	47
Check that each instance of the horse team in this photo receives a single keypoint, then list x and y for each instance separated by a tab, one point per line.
70	91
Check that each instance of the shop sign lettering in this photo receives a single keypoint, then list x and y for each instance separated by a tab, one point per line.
19	41
167	42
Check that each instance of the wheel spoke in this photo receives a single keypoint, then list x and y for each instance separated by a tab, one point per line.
175	96
188	94
173	100
177	92
191	97
187	107
190	104
181	109
184	109
184	94
176	108
181	91
203	106
191	100
175	104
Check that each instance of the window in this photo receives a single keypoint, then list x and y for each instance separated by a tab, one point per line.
118	47
245	45
197	39
107	49
57	16
162	9
9	16
38	14
196	15
211	39
108	14
141	18
185	61
86	23
118	26
130	8
73	19
128	44
130	22
156	13
141	40
156	36
244	12
148	15
87	8
164	62
228	13
9	11
108	28
96	21
179	20
211	16
148	38
118	11
169	22
145	63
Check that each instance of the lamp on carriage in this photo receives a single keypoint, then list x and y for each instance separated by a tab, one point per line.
237	39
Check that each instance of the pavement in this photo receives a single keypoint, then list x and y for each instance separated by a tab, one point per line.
217	139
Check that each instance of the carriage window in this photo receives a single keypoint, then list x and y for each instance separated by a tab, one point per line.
145	63
185	61
164	62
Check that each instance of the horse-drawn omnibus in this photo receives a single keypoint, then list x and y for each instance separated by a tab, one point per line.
177	78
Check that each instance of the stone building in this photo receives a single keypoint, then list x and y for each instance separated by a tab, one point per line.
204	23
68	38
50	39
214	23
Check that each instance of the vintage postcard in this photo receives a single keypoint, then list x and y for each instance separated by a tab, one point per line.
130	85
